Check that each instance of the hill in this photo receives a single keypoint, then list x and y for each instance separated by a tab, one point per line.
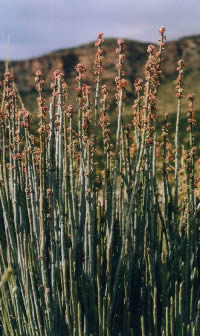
187	48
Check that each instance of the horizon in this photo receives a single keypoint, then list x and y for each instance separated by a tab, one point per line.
93	41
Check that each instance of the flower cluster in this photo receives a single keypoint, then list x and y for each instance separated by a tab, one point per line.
69	111
57	74
42	103
120	82
163	36
26	115
39	81
191	113
137	112
9	92
98	66
104	122
80	68
179	80
165	145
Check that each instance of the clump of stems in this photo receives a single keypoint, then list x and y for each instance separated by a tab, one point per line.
98	248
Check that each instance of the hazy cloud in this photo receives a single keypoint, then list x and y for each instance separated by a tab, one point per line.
34	27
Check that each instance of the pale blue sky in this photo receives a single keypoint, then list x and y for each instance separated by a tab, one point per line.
33	27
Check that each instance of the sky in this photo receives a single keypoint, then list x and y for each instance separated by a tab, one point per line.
30	28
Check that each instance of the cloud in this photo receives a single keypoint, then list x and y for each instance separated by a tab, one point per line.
36	27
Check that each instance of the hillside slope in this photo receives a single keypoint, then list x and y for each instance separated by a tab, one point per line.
187	48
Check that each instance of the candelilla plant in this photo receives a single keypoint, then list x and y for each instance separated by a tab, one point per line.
98	248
